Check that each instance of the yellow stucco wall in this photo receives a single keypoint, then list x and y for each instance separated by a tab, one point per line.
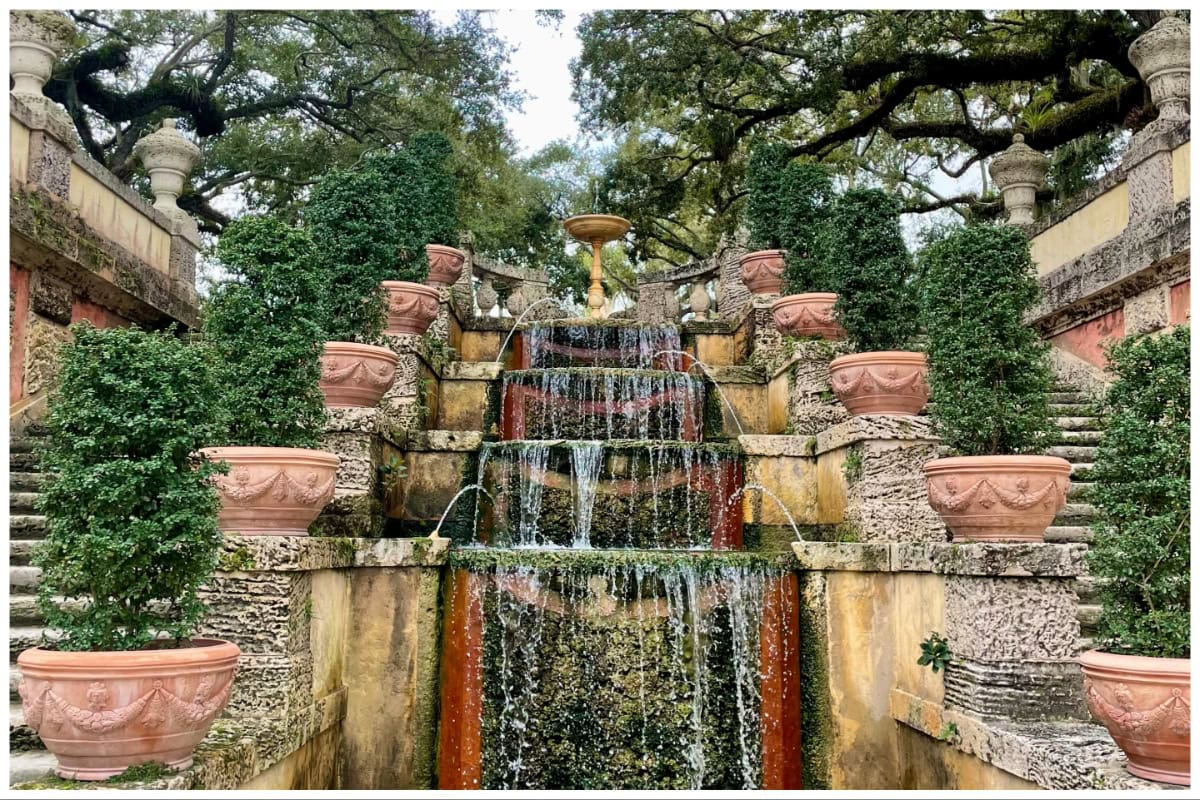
116	219
1094	224
1181	176
18	150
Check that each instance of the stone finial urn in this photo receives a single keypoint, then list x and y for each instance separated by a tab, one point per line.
37	39
169	158
1161	56
1019	172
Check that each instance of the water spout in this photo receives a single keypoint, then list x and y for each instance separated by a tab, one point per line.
454	500
520	319
717	386
764	490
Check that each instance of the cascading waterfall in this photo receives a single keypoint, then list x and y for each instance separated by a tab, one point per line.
609	633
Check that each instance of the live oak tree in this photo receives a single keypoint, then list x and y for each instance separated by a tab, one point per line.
885	97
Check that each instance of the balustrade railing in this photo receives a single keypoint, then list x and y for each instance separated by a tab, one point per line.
491	288
701	290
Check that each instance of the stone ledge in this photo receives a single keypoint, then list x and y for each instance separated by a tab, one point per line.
1054	755
363	420
944	558
707	327
735	374
773	445
303	553
445	441
875	427
472	371
233	753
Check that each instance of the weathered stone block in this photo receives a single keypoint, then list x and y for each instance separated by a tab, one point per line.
998	619
51	298
1149	311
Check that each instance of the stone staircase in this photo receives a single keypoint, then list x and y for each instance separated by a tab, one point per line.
26	527
1075	414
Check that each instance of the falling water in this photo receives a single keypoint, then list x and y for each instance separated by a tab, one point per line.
585	474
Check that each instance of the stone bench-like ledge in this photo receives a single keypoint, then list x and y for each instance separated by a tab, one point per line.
302	553
1060	755
876	427
944	558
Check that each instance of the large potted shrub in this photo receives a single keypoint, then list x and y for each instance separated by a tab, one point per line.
131	534
416	209
806	309
989	380
871	272
1137	680
762	267
354	260
263	322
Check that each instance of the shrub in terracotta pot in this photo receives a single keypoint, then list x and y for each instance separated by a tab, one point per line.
263	324
131	534
762	267
989	378
1137	680
872	273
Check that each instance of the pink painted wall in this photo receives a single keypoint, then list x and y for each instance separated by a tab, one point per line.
1181	303
1088	339
18	286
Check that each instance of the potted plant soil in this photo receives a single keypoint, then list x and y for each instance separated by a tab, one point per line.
805	198
872	273
263	325
356	369
131	534
989	378
414	206
1137	680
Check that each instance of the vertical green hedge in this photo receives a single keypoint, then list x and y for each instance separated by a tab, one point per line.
989	374
1141	551
130	512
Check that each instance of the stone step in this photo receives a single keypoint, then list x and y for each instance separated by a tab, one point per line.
23	462
1074	410
1076	454
22	502
1080	470
23	609
1077	423
27	526
24	580
21	737
26	481
1080	437
26	443
1069	396
1062	534
1075	514
1087	589
23	637
30	765
1079	490
20	551
1088	614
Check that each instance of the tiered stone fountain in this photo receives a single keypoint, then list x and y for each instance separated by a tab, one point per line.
605	629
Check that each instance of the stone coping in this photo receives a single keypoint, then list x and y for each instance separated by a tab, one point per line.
708	327
446	441
944	558
875	427
233	752
472	371
777	445
735	374
304	553
363	420
1062	755
807	350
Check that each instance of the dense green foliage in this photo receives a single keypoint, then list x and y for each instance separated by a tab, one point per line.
871	270
131	525
764	196
898	99
264	325
989	376
1140	554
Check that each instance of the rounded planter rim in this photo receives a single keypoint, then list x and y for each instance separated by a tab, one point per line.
878	357
270	454
409	286
788	299
91	661
754	255
972	463
1100	661
357	348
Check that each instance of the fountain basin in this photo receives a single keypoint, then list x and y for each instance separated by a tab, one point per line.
621	343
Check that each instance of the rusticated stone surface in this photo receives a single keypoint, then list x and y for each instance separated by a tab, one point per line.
812	406
42	340
875	427
1016	689
1149	311
52	298
304	553
997	619
402	399
359	437
762	445
946	558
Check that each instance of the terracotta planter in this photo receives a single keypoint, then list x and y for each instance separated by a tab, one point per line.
998	498
885	382
762	271
445	264
1146	705
100	713
273	491
411	307
356	375
809	314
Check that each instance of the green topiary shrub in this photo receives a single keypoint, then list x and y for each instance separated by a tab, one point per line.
989	376
263	324
807	199
371	224
764	195
1141	551
871	270
130	511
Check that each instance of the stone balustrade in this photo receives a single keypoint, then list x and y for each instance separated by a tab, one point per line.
701	291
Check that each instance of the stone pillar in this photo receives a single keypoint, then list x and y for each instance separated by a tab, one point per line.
403	402
656	303
364	440
1161	57
733	298
812	407
875	463
37	40
1018	173
169	158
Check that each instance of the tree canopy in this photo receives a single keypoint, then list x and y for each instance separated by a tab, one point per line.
894	98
